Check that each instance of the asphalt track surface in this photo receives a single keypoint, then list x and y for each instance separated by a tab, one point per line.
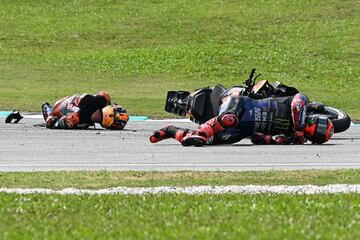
28	146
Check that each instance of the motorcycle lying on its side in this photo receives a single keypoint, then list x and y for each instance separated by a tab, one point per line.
204	103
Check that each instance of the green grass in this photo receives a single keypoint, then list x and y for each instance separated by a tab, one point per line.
177	216
138	50
105	179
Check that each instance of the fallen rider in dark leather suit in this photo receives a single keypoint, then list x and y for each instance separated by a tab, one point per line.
80	111
281	120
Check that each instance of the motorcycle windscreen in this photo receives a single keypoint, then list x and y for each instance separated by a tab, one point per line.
175	103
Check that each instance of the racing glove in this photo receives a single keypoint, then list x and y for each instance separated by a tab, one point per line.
298	137
262	139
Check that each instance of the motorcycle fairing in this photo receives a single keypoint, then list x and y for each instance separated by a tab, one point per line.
205	103
201	105
282	90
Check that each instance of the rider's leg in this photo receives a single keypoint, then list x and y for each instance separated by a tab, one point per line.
207	130
69	121
298	112
228	136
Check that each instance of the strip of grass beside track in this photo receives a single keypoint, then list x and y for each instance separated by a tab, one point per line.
178	216
106	179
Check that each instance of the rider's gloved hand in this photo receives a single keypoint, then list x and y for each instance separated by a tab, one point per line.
299	138
261	139
281	139
316	106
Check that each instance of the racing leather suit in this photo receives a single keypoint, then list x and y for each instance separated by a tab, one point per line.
266	121
74	111
278	120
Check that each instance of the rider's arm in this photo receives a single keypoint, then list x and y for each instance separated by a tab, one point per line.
217	124
267	139
280	139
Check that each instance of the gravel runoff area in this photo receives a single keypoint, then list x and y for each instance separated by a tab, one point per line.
29	146
192	190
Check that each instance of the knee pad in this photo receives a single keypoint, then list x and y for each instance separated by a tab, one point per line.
298	110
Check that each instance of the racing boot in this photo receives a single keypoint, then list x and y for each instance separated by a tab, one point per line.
193	138
165	133
46	110
198	138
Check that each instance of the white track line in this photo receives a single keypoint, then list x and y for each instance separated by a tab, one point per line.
194	190
39	116
179	164
33	116
148	120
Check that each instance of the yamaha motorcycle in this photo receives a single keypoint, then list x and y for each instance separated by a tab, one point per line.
204	103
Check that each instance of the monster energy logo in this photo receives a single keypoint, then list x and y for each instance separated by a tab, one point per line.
257	118
281	124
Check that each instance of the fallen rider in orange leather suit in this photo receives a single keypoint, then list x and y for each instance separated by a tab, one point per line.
80	111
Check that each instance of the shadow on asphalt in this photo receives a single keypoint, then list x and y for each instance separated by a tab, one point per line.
345	138
43	125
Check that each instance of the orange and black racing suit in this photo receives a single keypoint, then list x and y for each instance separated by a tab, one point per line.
74	111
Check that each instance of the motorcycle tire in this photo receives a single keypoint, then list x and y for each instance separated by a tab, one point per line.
339	118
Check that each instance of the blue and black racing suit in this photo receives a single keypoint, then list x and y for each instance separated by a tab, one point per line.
266	121
278	120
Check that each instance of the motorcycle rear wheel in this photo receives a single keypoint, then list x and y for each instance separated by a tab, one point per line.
338	117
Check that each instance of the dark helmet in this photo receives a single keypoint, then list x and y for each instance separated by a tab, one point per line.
318	129
114	117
